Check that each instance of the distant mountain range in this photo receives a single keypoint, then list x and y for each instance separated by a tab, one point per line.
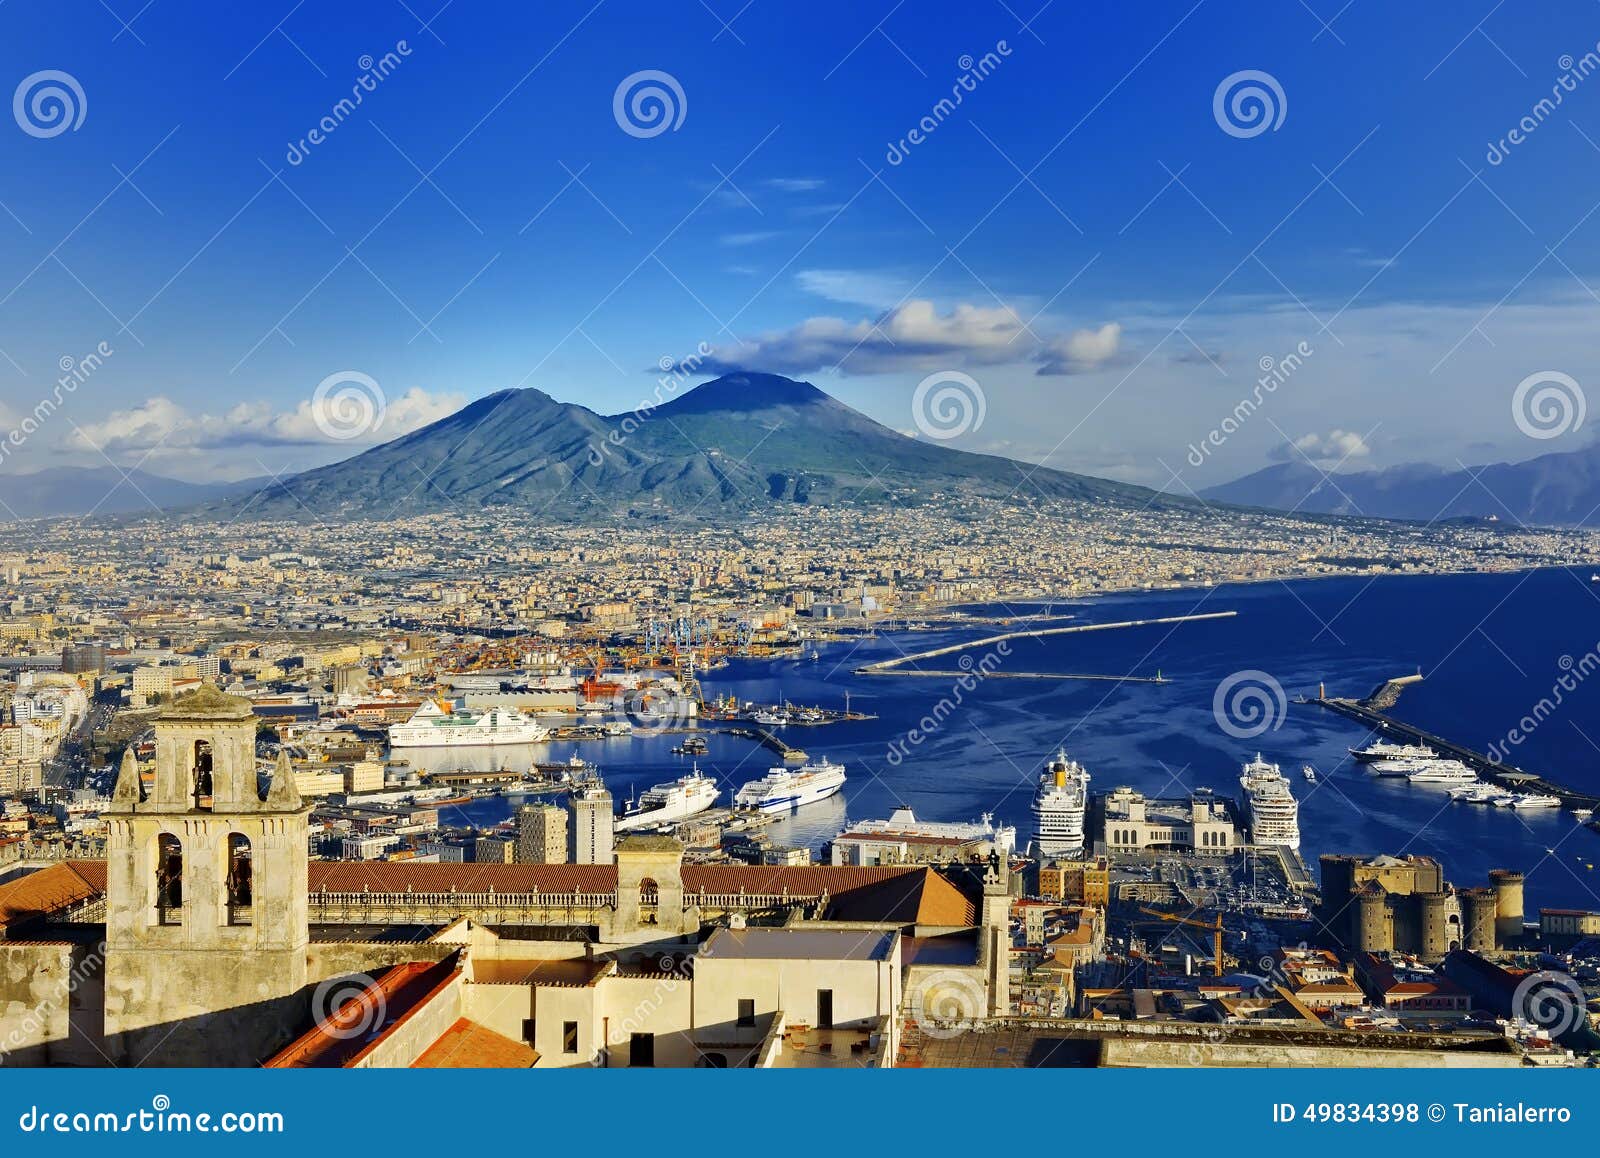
741	442
59	491
1560	489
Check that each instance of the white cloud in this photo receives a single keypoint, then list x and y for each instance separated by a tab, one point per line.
1082	350
160	422
879	291
1328	449
915	337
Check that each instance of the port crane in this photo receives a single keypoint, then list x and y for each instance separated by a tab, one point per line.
1214	926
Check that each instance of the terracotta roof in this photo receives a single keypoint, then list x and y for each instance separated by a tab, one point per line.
466	1045
44	892
900	893
343	1036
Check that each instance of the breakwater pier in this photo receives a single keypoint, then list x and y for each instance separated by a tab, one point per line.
1497	772
899	664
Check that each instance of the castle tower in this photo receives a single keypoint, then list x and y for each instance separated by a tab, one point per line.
1507	886
1478	915
206	896
1374	931
1434	925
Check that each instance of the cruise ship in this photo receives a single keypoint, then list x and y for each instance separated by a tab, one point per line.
1443	772
1384	750
438	725
1059	805
1274	812
671	802
782	788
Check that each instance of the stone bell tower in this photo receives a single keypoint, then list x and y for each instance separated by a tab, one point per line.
206	897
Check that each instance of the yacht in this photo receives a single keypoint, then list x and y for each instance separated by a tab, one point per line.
1443	772
1384	750
1479	793
1059	806
1530	800
1274	812
668	803
439	725
782	788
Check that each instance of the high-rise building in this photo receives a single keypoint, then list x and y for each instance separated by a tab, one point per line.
542	834
592	826
494	850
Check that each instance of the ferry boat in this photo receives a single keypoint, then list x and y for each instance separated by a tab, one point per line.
437	725
1530	800
1059	806
783	788
1384	750
671	802
1443	772
1274	812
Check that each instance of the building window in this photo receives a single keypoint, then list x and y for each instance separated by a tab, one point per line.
569	1037
747	1013
241	879
169	880
202	774
529	1030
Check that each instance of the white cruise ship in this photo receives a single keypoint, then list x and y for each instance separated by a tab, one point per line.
1385	750
1274	812
1443	772
671	802
439	726
1059	806
782	788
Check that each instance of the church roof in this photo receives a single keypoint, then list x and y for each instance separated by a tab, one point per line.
208	703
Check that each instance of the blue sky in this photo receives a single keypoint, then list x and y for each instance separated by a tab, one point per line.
1080	235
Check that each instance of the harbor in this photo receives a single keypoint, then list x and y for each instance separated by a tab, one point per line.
1509	775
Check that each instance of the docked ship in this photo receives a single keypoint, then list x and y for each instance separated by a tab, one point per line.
438	725
1274	812
1059	806
783	788
671	802
1442	772
1384	750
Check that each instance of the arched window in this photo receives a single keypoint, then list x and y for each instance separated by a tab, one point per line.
240	884
202	774
712	1061
649	891
169	880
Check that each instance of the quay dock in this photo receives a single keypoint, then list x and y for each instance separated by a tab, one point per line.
769	740
955	673
1500	773
891	666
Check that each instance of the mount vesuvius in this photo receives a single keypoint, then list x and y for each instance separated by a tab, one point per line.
738	442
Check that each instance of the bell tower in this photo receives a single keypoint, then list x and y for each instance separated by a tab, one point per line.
206	896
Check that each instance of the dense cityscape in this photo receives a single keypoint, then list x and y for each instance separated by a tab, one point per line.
376	684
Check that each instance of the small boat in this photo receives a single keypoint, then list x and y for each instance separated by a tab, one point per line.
1309	773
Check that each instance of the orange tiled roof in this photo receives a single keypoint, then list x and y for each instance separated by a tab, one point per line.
466	1045
46	891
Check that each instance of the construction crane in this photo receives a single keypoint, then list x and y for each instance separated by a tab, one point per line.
1214	926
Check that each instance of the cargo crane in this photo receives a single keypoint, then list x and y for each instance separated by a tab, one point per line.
1214	926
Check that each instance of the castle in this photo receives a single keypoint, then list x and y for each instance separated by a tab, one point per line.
1389	904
